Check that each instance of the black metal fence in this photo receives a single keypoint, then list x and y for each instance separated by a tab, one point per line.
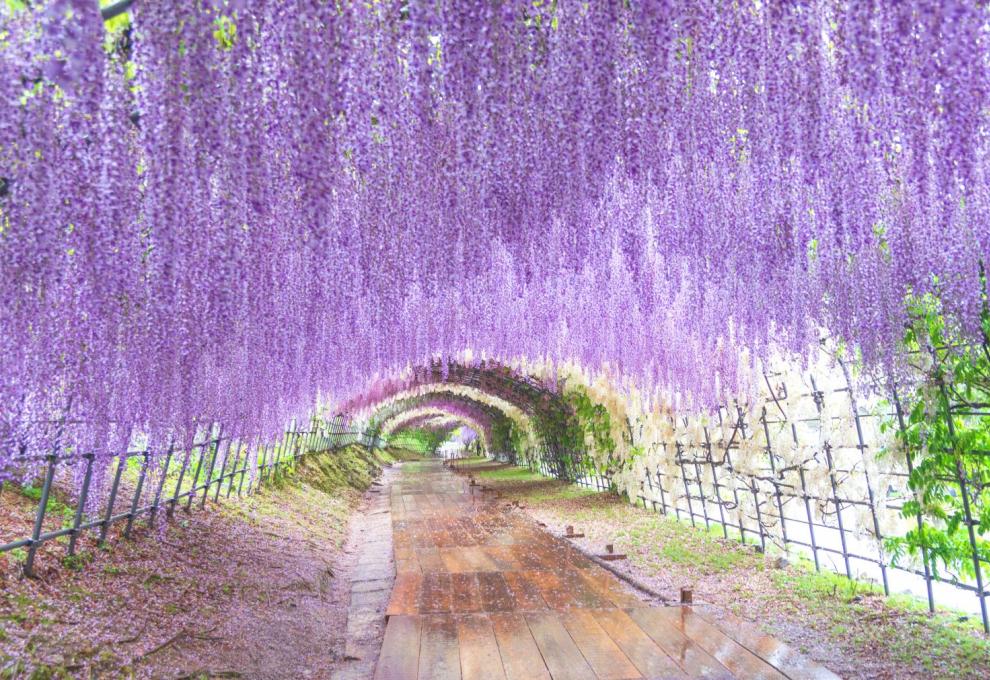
834	499
159	482
814	467
574	467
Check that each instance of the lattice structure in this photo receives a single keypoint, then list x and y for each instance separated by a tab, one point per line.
808	466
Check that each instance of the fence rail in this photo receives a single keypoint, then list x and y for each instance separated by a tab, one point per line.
241	461
839	501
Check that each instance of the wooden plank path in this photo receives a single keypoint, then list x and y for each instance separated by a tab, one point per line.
483	593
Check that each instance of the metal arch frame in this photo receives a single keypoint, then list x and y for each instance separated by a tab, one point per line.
116	9
427	417
417	416
385	415
524	392
527	393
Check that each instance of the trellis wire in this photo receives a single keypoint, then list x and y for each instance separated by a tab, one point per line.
794	510
772	508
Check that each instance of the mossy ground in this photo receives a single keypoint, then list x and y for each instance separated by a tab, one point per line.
353	467
847	625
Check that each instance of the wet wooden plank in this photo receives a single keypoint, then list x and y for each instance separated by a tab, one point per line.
730	653
405	594
782	657
579	561
399	658
543	557
642	651
422	536
478	560
435	594
448	531
608	587
441	534
456	560
604	656
479	533
521	657
495	593
480	658
502	557
692	659
527	558
439	651
561	655
494	561
429	559
407	567
564	556
582	592
404	552
525	595
466	594
408	505
555	593
401	537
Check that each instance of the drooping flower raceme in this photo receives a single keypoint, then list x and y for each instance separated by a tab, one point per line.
234	207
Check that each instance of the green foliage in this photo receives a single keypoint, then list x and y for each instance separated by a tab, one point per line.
421	440
947	442
577	430
593	420
225	32
13	6
353	466
54	507
507	436
78	561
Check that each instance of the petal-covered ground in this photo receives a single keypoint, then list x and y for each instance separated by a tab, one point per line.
247	588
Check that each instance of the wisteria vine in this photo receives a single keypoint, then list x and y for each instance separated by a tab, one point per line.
230	209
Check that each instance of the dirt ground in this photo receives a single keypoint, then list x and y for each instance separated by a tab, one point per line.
847	626
246	588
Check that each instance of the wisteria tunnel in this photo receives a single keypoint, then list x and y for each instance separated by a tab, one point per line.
494	339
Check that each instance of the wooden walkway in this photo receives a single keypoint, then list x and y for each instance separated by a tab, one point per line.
485	593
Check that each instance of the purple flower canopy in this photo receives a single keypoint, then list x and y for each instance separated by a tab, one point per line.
238	206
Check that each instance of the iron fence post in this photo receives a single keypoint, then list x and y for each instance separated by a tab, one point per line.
221	441
773	471
223	466
204	450
819	398
107	519
247	461
161	485
718	491
178	484
40	516
902	427
81	505
137	495
967	510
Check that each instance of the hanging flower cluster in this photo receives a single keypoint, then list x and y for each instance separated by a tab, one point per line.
233	207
